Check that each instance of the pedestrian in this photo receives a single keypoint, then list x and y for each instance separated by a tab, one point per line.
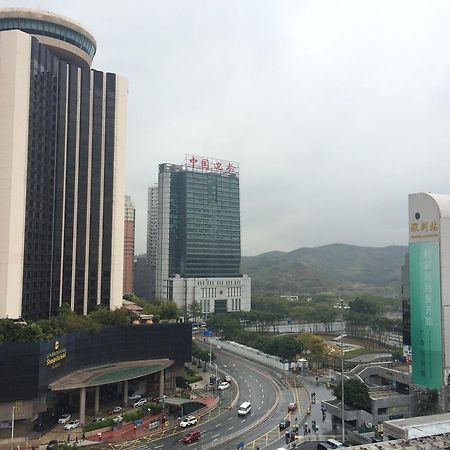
76	440
68	437
99	436
317	378
295	420
83	437
317	429
287	437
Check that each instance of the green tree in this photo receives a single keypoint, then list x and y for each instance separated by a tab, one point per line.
356	393
194	310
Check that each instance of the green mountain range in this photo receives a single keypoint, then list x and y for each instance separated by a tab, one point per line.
334	267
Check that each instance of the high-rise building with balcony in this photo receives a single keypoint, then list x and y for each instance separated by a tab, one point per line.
128	249
62	128
199	236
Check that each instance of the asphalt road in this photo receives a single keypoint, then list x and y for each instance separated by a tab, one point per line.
254	386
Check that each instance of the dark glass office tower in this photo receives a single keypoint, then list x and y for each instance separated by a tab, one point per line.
199	236
63	139
205	232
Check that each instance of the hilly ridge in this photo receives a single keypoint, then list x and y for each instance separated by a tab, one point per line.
330	267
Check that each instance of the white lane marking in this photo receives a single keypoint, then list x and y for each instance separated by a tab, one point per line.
242	421
158	446
230	428
230	418
259	408
218	425
215	436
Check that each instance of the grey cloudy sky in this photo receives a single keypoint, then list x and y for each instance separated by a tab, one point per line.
336	110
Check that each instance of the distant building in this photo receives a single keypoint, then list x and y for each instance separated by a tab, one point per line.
199	236
141	278
152	236
128	251
62	151
406	313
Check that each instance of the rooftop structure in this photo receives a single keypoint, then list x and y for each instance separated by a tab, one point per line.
68	39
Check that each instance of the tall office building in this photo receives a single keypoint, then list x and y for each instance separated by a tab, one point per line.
128	249
62	128
152	238
199	236
429	275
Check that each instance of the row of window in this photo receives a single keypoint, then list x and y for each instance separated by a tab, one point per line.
50	29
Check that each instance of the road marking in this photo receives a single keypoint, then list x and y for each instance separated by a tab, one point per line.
229	418
242	421
260	406
158	446
218	425
230	428
215	436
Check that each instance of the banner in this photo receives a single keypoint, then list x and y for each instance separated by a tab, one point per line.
425	298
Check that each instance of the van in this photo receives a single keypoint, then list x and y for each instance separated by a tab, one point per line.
244	409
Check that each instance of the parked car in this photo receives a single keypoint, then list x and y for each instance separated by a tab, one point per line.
53	443
134	397
72	424
98	419
115	410
224	385
292	406
139	403
188	421
64	418
284	424
191	437
118	419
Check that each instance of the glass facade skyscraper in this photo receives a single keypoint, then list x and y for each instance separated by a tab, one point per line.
199	236
205	232
62	193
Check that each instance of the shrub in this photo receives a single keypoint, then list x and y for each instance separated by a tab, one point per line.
95	425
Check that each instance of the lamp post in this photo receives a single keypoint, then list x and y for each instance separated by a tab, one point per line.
341	306
12	427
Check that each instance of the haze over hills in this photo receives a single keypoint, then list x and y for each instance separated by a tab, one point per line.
328	268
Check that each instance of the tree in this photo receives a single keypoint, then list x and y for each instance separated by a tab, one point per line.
356	393
194	310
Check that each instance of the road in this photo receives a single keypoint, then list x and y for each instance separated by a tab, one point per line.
254	386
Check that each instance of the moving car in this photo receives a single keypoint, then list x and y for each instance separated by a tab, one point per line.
224	385
72	424
191	437
140	402
64	418
292	406
188	421
284	424
228	378
244	409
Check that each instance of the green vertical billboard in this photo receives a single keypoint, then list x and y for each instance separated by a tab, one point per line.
425	297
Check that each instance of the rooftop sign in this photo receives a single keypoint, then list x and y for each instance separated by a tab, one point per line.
212	165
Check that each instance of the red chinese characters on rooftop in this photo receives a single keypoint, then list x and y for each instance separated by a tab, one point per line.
208	164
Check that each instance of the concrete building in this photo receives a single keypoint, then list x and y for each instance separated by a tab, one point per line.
128	250
62	128
429	263
199	236
152	237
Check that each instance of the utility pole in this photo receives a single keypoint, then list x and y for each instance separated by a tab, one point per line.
12	428
341	306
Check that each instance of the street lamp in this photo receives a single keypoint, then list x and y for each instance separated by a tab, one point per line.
341	306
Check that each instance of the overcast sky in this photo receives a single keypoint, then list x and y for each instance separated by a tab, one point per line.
336	110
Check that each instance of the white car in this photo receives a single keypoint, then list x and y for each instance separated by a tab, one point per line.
72	424
228	378
140	402
64	418
134	397
118	419
188	421
115	410
224	385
